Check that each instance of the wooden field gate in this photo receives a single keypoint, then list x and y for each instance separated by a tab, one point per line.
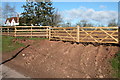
74	34
85	34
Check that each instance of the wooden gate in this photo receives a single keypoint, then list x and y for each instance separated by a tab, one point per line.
99	34
86	34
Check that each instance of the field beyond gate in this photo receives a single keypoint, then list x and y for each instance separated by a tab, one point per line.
75	34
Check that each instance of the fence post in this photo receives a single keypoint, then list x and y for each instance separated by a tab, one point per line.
49	32
78	33
8	30
31	31
15	31
1	30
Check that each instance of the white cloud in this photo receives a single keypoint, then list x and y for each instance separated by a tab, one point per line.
102	17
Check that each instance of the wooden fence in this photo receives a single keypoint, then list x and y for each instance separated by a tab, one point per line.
74	34
30	31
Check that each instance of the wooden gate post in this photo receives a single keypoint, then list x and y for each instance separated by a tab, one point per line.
78	33
49	35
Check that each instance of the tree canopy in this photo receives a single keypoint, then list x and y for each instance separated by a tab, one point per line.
39	14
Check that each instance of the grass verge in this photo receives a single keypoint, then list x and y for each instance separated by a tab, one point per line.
8	45
115	63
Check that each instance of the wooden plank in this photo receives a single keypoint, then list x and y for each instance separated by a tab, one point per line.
8	30
63	30
49	33
63	27
64	37
98	34
33	30
15	31
99	27
31	35
101	42
7	27
96	38
78	34
100	31
32	26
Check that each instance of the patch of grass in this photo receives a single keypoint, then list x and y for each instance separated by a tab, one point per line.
8	45
115	63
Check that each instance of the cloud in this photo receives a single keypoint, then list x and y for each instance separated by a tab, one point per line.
102	17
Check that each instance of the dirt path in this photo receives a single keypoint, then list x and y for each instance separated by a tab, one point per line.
56	59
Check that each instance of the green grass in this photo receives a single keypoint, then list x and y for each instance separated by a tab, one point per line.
115	63
8	45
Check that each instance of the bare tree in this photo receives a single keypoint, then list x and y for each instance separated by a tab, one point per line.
8	11
57	19
112	23
85	23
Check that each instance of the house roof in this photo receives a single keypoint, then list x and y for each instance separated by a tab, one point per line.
10	19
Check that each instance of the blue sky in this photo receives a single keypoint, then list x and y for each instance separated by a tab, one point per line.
93	12
61	6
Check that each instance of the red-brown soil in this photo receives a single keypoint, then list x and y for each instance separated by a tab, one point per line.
56	59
